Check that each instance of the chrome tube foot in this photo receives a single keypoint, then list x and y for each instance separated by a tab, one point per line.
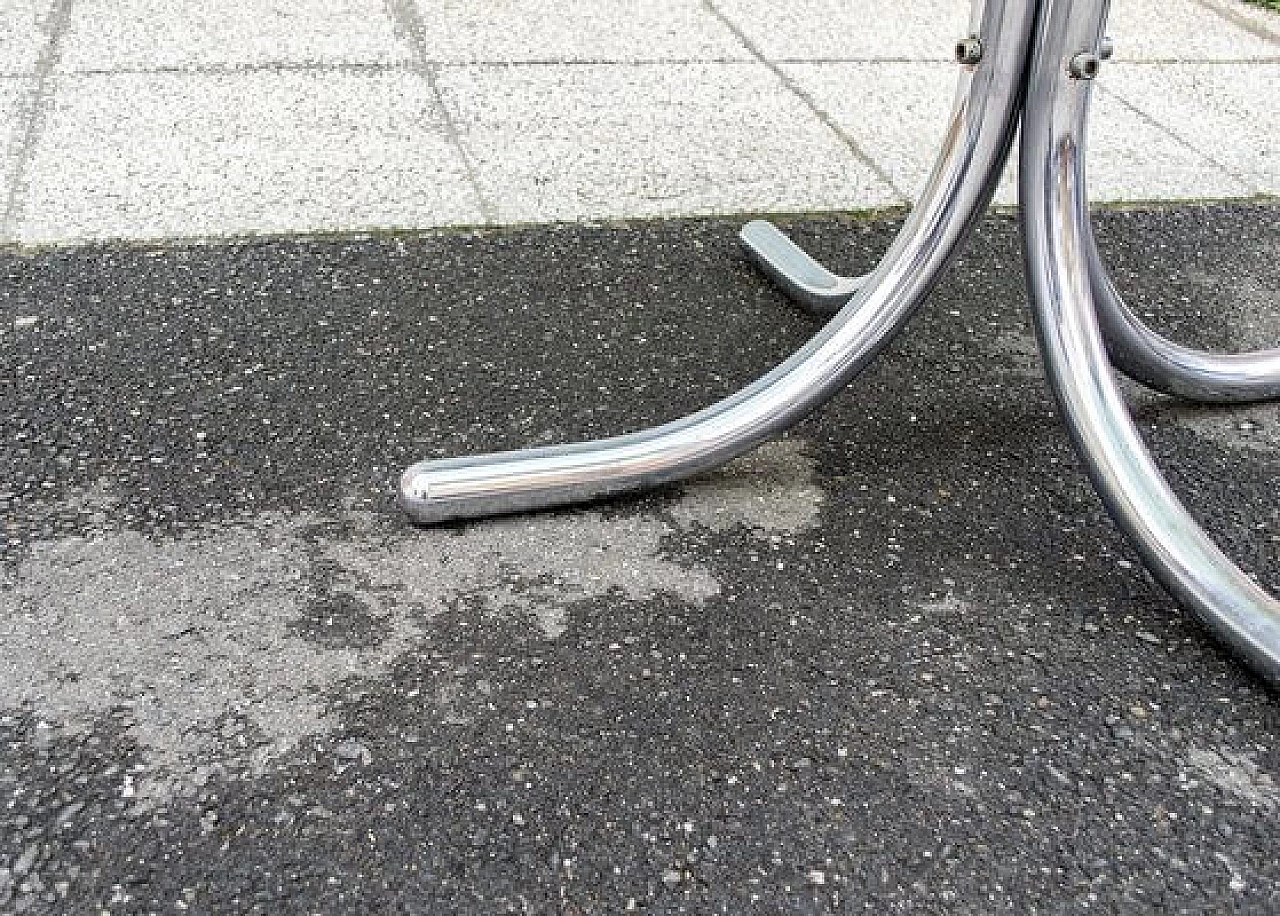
977	143
1055	214
1161	364
806	282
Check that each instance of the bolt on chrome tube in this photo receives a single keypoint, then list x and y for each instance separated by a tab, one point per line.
977	143
1159	363
1055	212
801	278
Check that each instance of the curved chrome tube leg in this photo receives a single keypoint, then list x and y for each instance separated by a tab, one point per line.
976	146
1159	363
806	282
1054	216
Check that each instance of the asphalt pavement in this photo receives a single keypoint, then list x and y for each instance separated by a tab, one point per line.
899	661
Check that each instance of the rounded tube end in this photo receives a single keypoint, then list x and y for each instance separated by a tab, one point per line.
801	278
414	497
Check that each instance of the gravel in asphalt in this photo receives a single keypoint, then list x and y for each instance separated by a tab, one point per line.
899	661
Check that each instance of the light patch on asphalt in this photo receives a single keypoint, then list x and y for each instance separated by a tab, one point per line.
1254	427
769	489
537	565
1250	427
201	646
1021	353
188	636
1236	774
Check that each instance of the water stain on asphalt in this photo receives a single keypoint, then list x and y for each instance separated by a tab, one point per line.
768	489
211	648
187	637
1254	428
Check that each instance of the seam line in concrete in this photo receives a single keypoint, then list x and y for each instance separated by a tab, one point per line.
235	69
382	66
1245	180
1240	21
1166	61
32	112
396	66
407	18
792	86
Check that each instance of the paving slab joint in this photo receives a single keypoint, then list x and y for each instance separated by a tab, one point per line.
409	22
1244	179
809	102
31	114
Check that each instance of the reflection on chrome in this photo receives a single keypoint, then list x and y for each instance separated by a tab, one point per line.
1055	227
977	143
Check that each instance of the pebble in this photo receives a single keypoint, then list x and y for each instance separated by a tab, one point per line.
70	811
354	750
26	860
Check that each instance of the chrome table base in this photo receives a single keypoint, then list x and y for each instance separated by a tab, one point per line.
1028	61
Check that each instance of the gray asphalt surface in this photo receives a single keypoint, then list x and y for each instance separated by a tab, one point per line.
899	662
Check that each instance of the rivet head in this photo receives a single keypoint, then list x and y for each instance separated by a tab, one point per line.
1085	65
969	50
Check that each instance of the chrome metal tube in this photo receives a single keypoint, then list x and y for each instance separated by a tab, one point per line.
976	145
804	281
1054	219
1159	363
1134	349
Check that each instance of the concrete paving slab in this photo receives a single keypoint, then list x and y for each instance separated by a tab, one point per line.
1131	158
596	141
173	155
21	35
236	680
897	113
1229	112
165	34
1181	30
838	30
461	31
1249	16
